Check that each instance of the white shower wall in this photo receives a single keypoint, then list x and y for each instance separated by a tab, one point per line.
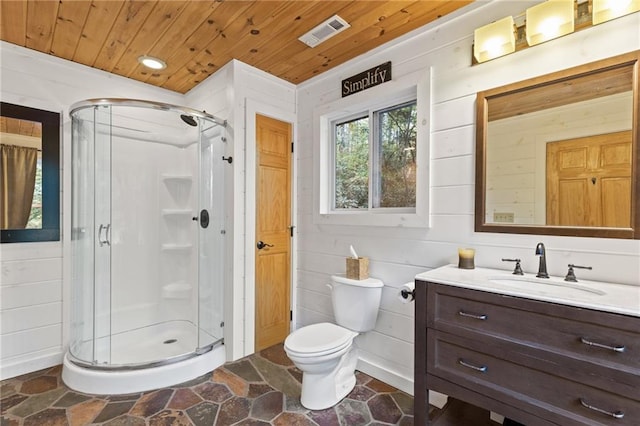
153	237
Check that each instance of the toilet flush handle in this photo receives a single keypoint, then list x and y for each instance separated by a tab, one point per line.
330	287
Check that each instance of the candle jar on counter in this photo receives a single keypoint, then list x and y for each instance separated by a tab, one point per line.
466	258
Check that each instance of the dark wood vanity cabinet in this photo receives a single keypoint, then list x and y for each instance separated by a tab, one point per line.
536	362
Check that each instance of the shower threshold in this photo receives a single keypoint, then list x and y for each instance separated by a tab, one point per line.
143	359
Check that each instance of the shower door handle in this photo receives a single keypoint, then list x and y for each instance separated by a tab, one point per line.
106	229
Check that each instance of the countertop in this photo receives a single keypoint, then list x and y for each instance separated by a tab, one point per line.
602	296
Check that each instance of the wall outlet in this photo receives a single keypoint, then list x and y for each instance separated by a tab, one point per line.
503	217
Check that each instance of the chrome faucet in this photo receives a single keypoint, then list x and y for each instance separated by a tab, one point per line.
542	269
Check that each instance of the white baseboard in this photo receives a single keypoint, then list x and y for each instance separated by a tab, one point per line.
28	364
405	384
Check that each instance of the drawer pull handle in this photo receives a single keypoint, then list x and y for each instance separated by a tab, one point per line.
480	317
482	368
616	348
615	415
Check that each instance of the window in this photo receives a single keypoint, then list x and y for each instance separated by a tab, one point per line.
371	156
375	159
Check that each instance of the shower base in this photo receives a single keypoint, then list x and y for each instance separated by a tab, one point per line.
143	359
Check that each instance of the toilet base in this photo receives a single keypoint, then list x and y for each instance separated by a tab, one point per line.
320	391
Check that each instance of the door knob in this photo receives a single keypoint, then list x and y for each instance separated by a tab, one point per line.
260	245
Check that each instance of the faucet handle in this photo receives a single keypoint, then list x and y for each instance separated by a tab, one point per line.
517	270
571	275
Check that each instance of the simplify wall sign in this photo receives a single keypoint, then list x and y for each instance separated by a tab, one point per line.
366	79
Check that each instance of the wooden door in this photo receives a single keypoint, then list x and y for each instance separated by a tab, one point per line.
589	181
273	229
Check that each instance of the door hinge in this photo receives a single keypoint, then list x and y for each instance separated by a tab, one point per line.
291	231
290	315
292	147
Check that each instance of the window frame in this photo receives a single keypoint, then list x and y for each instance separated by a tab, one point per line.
416	86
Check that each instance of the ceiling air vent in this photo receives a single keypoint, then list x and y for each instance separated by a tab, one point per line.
324	31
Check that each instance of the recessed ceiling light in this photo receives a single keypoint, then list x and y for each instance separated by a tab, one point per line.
151	62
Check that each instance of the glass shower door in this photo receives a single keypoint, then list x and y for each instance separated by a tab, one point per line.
103	232
90	249
211	234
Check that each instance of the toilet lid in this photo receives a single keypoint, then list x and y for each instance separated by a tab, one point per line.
319	339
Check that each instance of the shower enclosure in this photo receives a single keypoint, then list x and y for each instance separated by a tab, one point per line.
147	245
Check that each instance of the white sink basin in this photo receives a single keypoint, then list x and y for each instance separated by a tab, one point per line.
520	281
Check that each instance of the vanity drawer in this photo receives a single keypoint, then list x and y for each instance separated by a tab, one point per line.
466	362
606	339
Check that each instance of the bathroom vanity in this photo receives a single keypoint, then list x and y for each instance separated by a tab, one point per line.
541	352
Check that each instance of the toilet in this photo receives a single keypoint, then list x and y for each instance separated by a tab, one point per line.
324	352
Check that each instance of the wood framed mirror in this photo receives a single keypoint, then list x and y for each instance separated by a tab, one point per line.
559	155
29	175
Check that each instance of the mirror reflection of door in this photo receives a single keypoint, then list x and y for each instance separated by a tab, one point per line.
21	174
589	181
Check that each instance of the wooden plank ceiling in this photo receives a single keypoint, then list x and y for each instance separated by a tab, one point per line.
195	38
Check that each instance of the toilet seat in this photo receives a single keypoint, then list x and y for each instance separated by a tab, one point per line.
318	339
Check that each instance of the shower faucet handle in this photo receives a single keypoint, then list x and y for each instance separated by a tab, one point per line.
518	269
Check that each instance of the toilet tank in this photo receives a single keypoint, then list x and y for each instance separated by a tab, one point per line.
356	302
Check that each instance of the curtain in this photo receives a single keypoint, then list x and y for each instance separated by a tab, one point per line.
17	182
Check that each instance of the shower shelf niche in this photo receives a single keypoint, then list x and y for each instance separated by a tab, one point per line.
176	177
177	290
177	247
177	212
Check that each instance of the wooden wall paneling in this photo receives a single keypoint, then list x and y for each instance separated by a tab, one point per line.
358	14
31	270
126	26
196	18
395	325
102	14
452	142
68	29
35	339
316	301
240	22
386	347
13	22
211	56
379	29
29	317
452	171
284	24
111	34
452	200
41	19
286	38
28	294
157	24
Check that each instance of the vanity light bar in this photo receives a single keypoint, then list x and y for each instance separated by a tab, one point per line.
605	10
549	20
494	40
546	21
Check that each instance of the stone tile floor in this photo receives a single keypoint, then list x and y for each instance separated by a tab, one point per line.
261	389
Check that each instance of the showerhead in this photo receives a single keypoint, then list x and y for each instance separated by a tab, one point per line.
189	120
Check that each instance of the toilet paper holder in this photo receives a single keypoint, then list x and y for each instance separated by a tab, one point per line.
406	293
